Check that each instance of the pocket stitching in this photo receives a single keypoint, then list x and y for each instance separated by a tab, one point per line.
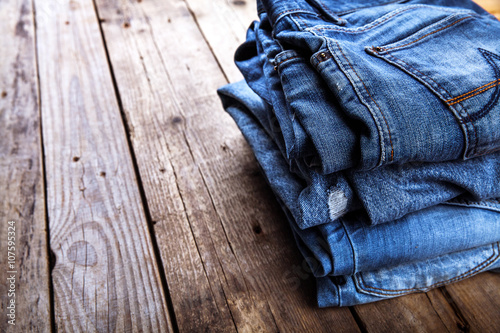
383	19
373	100
470	272
430	33
462	97
368	27
285	60
460	117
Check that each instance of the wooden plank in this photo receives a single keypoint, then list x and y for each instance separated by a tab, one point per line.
199	305
419	312
105	276
164	161
192	158
223	25
478	300
22	198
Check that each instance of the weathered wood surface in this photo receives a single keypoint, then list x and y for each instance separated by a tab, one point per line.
202	183
22	199
223	25
477	300
105	276
229	262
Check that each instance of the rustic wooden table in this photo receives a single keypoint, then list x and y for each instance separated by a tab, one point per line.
136	202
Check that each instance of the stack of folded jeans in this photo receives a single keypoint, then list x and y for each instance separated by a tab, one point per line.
377	125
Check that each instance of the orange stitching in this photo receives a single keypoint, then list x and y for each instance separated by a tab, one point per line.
430	33
466	112
487	84
492	258
282	61
301	27
297	10
386	124
477	93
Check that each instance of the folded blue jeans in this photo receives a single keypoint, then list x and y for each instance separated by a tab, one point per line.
407	81
317	135
385	193
424	249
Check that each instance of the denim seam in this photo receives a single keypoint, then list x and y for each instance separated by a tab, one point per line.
470	272
348	11
302	26
354	257
477	154
430	33
494	98
285	60
325	8
474	204
457	114
484	87
382	159
293	11
383	19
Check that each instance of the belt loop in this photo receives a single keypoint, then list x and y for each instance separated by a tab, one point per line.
325	11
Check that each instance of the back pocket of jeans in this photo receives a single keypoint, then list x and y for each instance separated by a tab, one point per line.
425	275
458	59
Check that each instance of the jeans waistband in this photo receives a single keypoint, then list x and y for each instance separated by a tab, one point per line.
332	9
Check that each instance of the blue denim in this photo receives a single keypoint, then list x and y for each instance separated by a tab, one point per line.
402	256
380	204
385	193
406	278
373	62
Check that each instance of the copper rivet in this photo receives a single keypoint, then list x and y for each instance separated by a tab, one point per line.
322	55
275	68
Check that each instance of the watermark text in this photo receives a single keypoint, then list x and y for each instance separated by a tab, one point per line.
11	272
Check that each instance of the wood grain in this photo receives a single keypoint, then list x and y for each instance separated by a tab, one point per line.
477	299
229	257
223	25
22	197
421	312
137	64
231	250
105	277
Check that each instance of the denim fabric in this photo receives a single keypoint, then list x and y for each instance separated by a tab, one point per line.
380	150
401	256
386	193
406	278
374	61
